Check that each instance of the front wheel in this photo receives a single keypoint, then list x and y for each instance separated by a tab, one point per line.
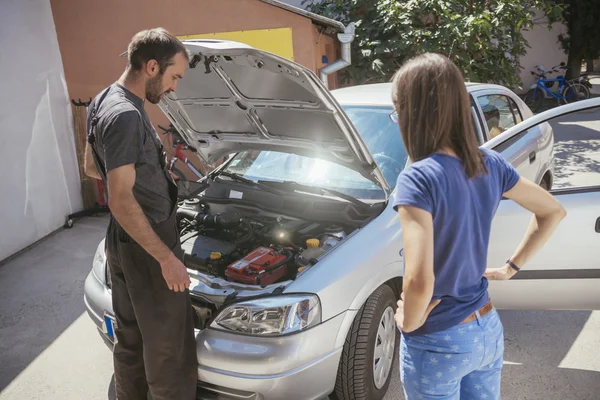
367	361
534	99
575	92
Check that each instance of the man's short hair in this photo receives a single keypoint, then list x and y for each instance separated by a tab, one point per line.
154	44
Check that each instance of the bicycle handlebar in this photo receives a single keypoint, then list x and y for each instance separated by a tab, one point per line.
553	69
548	71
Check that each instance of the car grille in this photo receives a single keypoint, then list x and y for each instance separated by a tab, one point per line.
107	275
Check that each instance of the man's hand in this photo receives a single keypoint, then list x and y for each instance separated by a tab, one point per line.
500	274
175	274
399	317
130	216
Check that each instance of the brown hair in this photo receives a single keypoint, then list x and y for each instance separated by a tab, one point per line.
433	109
154	44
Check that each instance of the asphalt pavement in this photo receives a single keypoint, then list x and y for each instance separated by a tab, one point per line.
577	149
50	349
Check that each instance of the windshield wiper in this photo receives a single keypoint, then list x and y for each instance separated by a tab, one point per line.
294	186
249	182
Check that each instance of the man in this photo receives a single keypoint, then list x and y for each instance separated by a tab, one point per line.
155	348
492	118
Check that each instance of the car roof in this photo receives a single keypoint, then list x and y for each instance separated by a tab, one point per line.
380	94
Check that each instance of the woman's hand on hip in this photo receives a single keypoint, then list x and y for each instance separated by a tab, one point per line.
500	274
409	326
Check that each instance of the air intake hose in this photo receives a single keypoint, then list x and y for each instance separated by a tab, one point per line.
225	220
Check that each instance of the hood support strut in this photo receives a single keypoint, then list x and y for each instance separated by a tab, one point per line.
346	40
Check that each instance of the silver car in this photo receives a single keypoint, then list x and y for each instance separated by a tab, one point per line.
293	248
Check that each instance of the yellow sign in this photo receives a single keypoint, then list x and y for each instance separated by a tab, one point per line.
276	41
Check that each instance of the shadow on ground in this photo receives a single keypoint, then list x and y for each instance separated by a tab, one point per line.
41	293
536	342
577	149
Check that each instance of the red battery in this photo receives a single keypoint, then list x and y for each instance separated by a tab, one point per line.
257	268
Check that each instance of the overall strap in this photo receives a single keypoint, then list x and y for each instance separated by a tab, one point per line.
91	137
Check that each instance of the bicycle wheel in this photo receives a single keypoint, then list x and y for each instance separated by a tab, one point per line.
573	92
534	99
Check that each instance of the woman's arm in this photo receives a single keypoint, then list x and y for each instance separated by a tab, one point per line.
418	280
547	214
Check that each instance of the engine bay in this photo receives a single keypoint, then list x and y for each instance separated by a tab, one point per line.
252	248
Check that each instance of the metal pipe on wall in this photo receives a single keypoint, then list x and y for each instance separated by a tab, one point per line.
346	40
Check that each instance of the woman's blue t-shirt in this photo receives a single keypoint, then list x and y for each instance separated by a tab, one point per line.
462	211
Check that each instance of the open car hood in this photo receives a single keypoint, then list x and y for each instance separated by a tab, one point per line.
234	97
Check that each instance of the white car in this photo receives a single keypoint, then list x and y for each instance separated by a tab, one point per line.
293	248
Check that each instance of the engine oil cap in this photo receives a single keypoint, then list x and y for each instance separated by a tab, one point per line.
215	255
313	242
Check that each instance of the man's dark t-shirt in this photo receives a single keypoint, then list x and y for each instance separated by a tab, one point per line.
124	135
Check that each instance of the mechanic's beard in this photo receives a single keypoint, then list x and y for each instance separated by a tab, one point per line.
154	89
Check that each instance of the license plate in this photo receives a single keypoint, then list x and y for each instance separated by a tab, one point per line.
109	327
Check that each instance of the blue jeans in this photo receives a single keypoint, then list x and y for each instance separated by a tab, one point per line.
463	362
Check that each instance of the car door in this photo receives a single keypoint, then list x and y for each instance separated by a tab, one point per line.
500	113
565	273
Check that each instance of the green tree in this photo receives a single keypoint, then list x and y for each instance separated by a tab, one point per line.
583	38
483	37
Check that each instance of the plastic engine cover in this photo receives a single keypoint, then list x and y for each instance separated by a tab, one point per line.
253	269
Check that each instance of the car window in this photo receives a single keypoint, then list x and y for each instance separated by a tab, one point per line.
382	137
279	167
498	113
573	162
577	149
515	110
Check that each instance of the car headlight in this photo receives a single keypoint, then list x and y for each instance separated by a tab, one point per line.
99	263
271	316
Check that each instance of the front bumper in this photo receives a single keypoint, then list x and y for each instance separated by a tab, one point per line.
98	301
302	366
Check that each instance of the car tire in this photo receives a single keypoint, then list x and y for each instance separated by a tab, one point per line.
356	376
545	185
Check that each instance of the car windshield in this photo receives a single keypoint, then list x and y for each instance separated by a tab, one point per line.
377	130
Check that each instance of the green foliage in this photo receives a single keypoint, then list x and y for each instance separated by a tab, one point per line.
483	37
581	18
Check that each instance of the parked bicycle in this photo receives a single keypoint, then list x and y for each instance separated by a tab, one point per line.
584	79
566	91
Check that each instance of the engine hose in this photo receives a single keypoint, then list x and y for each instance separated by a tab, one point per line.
280	263
248	236
190	214
217	220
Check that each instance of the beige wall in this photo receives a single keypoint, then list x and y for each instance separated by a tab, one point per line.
544	50
329	46
39	175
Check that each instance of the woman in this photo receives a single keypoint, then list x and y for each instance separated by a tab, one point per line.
452	338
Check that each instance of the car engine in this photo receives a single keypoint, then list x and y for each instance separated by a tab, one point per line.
251	248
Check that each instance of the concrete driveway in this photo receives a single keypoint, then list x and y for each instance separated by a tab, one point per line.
50	349
577	149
